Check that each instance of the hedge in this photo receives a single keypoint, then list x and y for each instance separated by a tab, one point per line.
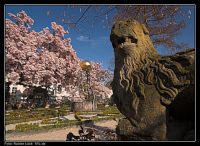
77	116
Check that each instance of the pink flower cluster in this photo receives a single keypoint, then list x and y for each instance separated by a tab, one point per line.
22	19
43	57
58	30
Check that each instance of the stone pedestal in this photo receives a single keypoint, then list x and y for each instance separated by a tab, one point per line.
83	106
126	132
77	106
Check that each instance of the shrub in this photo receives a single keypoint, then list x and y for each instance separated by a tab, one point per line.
44	121
50	121
77	116
94	117
9	107
9	131
53	113
61	112
105	113
49	127
27	127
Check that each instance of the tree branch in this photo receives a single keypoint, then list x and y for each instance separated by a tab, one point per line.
105	12
82	15
137	12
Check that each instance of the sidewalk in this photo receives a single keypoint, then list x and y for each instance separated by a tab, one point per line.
60	135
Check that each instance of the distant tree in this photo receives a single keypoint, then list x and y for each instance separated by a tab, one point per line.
164	23
112	64
84	17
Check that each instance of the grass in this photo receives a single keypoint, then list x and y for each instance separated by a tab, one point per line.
27	120
24	115
60	123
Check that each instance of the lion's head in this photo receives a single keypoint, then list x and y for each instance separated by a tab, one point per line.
143	79
130	38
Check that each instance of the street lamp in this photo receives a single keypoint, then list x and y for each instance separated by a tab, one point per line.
86	66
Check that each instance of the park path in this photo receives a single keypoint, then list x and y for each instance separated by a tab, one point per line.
60	135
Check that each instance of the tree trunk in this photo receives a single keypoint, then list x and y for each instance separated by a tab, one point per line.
34	99
7	91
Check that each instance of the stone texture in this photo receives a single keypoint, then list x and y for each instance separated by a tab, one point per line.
126	132
155	93
83	106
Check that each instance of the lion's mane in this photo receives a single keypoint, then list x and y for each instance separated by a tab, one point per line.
139	64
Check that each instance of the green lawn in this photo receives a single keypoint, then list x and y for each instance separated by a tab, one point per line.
25	115
44	115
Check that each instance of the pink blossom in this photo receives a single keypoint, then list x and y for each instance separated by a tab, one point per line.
56	62
12	15
13	77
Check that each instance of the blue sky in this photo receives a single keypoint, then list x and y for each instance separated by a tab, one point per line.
98	48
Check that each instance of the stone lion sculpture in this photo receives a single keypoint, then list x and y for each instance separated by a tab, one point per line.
155	93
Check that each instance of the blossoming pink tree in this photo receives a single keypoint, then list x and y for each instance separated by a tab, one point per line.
98	76
38	58
42	58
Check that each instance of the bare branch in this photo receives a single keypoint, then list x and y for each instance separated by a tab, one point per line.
82	15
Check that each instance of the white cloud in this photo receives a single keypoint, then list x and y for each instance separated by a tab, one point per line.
94	43
83	38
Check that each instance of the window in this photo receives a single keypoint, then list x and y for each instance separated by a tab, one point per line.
14	90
